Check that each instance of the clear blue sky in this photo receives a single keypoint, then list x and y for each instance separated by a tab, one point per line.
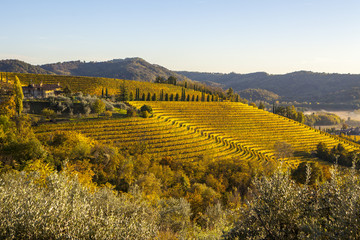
276	36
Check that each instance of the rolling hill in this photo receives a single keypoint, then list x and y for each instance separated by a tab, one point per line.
216	130
302	86
129	68
95	85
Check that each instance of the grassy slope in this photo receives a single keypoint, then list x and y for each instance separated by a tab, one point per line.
94	85
246	128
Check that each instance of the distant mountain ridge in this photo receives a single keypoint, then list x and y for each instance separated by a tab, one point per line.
301	86
128	68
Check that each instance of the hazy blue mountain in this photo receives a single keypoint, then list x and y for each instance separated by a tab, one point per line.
13	65
128	68
302	86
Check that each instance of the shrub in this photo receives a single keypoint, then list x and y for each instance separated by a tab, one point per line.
131	112
146	108
108	114
281	209
66	210
145	114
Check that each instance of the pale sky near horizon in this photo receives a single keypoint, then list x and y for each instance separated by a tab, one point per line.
275	36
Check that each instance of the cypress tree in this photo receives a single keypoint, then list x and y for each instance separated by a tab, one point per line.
19	96
154	97
177	97
193	98
102	93
124	93
197	98
148	97
208	98
166	97
202	96
143	97
161	95
171	97
131	96
188	98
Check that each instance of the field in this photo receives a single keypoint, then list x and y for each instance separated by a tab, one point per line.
246	128
159	138
95	85
188	130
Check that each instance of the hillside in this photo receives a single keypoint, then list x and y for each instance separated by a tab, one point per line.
128	68
302	86
248	129
21	67
259	94
215	130
155	136
95	85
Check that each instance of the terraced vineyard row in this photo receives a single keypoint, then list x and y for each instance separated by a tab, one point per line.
162	138
245	128
95	85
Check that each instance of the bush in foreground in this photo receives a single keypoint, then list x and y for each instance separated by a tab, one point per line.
64	209
281	209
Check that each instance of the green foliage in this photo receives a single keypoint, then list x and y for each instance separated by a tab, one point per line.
131	112
322	119
259	95
144	114
261	106
338	154
124	93
19	96
311	170
281	209
48	113
289	112
230	93
98	106
174	215
66	209
147	108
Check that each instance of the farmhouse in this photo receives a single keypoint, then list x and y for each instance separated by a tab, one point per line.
41	90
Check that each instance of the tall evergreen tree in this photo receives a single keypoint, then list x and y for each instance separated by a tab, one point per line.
148	97
124	93
19	96
161	95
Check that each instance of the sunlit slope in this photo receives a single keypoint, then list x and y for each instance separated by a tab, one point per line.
95	85
245	126
159	137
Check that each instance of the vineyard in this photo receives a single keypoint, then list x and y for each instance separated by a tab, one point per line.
95	85
186	130
159	138
246	128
